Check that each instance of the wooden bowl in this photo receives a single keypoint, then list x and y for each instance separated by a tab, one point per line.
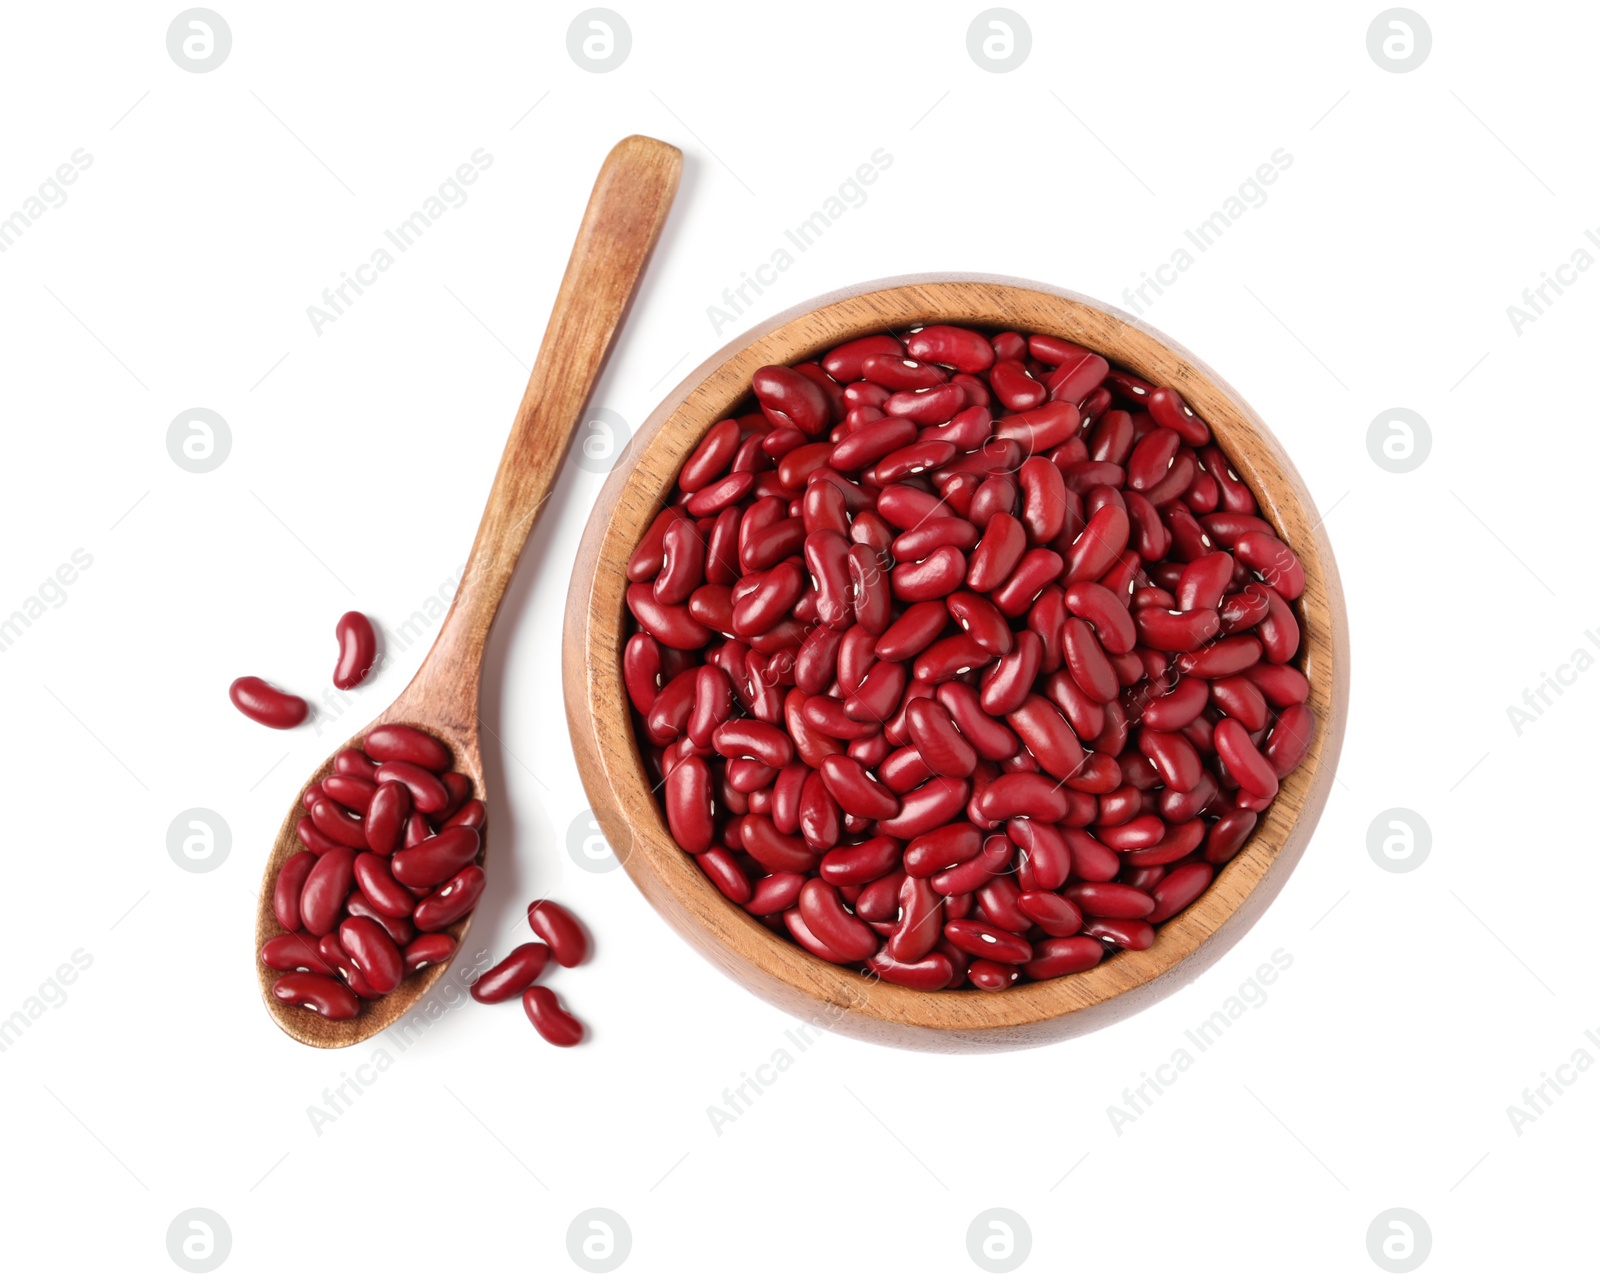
841	998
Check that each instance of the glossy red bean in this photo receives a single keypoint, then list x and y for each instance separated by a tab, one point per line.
294	951
373	952
686	796
1055	957
841	932
406	743
358	647
511	976
428	793
398	929
326	885
549	1018
319	993
437	859
982	939
425	950
451	901
287	888
1269	557
386	817
267	704
1244	760
1178	889
1289	740
927	974
373	875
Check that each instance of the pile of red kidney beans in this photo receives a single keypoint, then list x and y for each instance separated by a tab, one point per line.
392	838
964	658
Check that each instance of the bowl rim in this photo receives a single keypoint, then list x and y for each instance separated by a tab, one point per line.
857	1003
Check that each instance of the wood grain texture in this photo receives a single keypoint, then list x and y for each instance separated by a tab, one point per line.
613	772
626	210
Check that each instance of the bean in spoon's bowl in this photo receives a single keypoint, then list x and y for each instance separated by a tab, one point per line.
622	772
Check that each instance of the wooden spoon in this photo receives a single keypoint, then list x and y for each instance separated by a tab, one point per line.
626	209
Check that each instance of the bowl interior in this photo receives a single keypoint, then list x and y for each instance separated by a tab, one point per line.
613	771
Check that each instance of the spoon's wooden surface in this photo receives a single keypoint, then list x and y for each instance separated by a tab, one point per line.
626	210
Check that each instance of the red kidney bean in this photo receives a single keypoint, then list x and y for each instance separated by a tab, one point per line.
1289	740
1056	916
451	901
843	363
1108	899
551	1020
1224	657
1269	557
856	790
1135	936
267	704
1240	699
789	399
1056	957
938	742
373	875
425	950
775	893
962	349
825	916
398	929
1279	630
437	859
927	974
325	888
983	939
327	997
1174	758
1178	889
711	457
294	951
1245	763
349	791
373	952
687	798
934	577
358	647
406	743
386	817
288	887
1036	569
512	976
428	793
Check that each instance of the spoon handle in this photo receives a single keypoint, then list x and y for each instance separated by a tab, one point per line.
626	210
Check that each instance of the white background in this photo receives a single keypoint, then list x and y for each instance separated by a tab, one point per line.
178	272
